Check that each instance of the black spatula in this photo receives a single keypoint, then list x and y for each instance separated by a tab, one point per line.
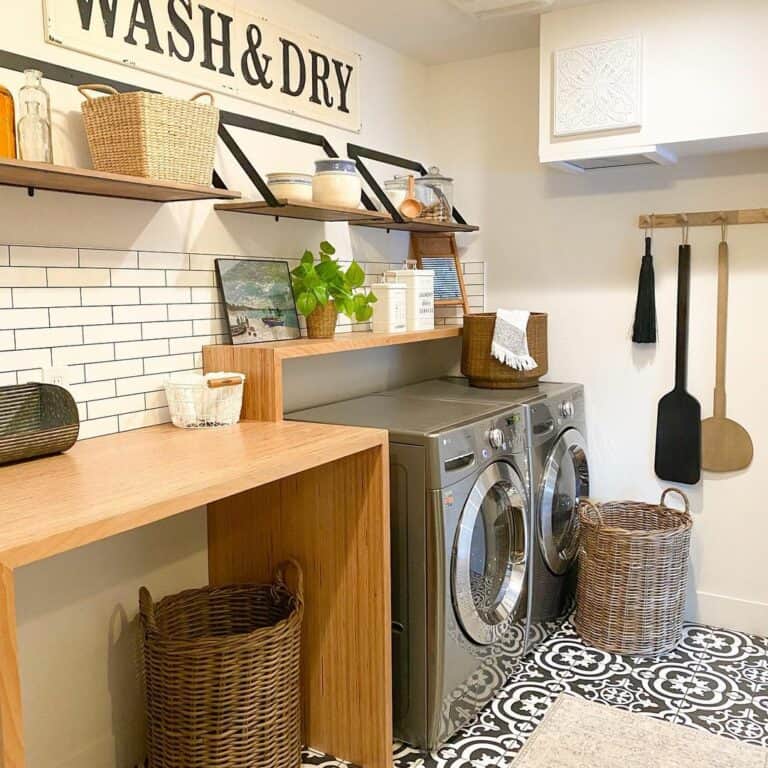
678	426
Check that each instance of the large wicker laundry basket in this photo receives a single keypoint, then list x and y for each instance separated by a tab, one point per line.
633	574
221	676
151	135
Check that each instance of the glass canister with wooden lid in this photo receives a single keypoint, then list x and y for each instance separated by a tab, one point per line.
7	125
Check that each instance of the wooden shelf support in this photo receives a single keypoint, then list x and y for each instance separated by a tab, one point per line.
703	218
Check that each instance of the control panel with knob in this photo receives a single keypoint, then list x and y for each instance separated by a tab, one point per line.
567	409
495	438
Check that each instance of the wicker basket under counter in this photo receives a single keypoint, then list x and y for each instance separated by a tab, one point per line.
484	370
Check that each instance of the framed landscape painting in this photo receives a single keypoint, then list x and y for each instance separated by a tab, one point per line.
258	300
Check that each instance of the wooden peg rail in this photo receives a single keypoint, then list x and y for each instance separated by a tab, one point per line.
703	218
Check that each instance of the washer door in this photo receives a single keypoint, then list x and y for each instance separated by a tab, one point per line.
564	482
490	553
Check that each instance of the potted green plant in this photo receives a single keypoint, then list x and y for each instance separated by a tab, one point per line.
323	289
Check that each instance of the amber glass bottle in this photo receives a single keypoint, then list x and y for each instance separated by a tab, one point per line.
7	124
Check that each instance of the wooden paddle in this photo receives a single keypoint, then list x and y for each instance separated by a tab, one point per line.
726	445
678	425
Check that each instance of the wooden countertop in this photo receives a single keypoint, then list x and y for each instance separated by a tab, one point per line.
113	484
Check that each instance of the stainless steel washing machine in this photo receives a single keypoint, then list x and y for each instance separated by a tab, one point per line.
460	546
556	450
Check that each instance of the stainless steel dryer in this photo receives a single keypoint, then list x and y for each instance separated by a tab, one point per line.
556	449
460	544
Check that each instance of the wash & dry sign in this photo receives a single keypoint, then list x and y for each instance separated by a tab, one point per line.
217	46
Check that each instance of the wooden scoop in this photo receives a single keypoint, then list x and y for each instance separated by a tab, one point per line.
411	208
726	445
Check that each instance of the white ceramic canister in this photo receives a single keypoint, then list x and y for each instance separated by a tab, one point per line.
420	296
291	186
389	311
336	183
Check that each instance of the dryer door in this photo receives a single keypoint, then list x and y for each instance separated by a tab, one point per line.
488	570
565	481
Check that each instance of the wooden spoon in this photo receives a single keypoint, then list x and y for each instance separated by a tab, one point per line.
411	208
726	445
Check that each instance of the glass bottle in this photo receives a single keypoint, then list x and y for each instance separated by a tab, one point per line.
7	125
35	121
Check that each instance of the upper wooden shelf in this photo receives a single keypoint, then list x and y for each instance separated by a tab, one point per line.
308	211
348	342
83	181
113	484
420	226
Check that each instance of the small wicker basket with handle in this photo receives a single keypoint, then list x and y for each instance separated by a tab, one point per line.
633	575
151	135
221	675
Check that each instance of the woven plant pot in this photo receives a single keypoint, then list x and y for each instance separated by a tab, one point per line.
151	135
633	575
321	324
221	676
484	370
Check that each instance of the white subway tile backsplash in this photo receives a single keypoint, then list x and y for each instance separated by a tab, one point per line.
205	295
109	259
131	421
153	260
98	427
115	370
131	349
6	340
168	364
136	384
109	296
81	315
155	400
112	406
189	278
4	256
138	277
78	277
194	311
46	297
191	344
204	261
89	353
208	327
49	337
167	330
165	295
140	314
28	358
76	373
5	297
11	277
97	390
8	379
23	318
33	374
40	256
96	334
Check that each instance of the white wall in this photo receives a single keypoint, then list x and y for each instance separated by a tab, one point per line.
700	65
569	245
76	636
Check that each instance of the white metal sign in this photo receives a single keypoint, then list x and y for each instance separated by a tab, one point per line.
217	46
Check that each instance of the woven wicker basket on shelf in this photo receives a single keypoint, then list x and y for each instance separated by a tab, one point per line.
221	672
151	135
633	574
484	370
321	324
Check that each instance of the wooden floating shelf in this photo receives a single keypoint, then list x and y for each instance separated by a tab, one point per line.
307	211
420	226
83	181
703	218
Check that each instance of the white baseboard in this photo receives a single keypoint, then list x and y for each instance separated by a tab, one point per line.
728	613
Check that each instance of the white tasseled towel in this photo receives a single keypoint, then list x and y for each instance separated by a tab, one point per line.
510	339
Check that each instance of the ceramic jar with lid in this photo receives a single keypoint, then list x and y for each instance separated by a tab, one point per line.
291	186
435	192
336	183
419	296
396	190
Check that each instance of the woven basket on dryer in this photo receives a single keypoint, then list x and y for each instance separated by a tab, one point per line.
484	370
633	574
151	135
221	672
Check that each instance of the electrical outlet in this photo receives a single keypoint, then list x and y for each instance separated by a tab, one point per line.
57	374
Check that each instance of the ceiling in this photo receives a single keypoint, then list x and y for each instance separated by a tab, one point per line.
434	31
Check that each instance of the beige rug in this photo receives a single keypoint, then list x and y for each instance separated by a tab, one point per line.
579	734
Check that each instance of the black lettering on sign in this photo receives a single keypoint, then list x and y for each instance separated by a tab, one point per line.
108	14
298	57
147	23
343	83
259	77
182	29
209	41
321	71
